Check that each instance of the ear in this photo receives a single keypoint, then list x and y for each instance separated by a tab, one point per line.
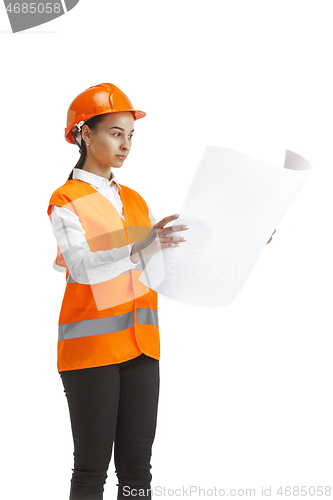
86	133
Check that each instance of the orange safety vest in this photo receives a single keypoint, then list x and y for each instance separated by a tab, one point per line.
116	320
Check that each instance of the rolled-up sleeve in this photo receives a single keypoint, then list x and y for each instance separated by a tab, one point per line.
85	266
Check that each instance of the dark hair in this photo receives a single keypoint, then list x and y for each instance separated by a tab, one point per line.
93	124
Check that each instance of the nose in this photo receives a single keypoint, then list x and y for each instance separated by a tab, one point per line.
126	144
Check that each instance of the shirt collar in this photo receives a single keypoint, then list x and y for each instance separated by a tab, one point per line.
95	180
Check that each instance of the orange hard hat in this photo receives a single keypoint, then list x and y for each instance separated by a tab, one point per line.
97	100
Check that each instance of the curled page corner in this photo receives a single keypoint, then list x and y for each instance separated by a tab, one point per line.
294	161
231	216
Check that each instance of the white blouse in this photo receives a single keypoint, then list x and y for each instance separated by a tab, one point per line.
84	266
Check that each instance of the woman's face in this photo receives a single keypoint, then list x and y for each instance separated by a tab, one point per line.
111	139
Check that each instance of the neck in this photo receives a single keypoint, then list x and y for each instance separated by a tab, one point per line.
99	170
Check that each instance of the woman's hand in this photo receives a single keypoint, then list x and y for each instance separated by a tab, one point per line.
159	237
270	239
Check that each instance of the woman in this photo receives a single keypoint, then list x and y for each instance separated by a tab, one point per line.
108	344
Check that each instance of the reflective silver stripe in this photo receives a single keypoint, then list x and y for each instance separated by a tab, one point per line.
146	316
97	326
70	279
100	326
138	267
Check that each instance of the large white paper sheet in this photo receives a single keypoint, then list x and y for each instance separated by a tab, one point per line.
231	216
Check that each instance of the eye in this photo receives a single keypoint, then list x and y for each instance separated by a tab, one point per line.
118	133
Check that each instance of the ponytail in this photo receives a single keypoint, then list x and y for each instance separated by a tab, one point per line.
81	160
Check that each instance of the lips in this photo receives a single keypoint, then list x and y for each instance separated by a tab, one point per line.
121	156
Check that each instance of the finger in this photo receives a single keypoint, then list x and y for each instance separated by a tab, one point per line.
164	221
175	229
169	237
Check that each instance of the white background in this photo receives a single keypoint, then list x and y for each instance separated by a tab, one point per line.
246	390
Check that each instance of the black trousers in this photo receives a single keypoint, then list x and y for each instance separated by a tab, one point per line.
113	404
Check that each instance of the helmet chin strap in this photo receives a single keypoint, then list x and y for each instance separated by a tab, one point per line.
76	134
77	140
